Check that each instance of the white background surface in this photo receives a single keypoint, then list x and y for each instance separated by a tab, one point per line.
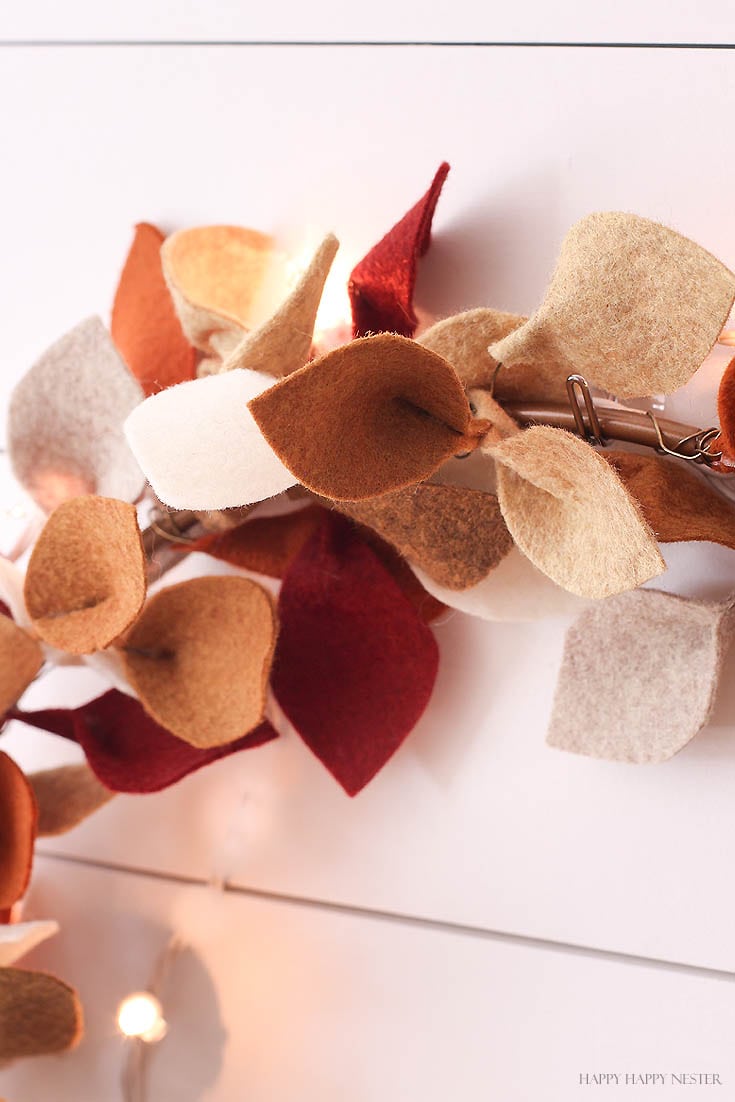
475	822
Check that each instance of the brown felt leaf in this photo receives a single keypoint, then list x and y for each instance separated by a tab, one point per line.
726	410
17	831
632	305
372	416
86	578
199	658
66	796
639	676
677	503
38	1014
570	514
21	658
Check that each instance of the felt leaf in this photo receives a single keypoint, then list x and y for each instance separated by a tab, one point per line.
65	421
455	534
355	665
11	592
283	343
200	447
17	831
726	409
20	660
126	749
676	502
86	578
199	657
372	416
19	938
500	423
215	274
570	514
381	286
639	676
144	324
632	305
38	1015
66	796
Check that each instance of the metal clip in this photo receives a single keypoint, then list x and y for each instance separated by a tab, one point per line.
593	434
695	448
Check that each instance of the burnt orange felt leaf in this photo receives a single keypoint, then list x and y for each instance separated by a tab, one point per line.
18	817
199	657
145	327
86	578
372	416
20	660
38	1014
726	410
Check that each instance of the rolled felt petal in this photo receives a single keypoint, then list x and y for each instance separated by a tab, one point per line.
18	938
21	658
17	831
632	305
39	1014
65	421
200	447
144	323
86	579
66	796
372	416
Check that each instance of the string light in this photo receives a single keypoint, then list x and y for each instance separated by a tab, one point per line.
140	1016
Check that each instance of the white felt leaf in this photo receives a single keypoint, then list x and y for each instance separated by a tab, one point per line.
18	938
200	447
11	592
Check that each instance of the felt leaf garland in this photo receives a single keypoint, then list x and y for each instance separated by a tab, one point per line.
373	416
66	796
355	665
126	749
199	657
86	578
570	514
200	447
20	660
19	938
38	1015
632	305
144	324
65	421
17	831
381	286
639	676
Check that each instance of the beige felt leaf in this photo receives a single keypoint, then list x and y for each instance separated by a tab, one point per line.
18	938
65	421
283	343
639	676
632	305
463	341
21	658
571	515
38	1014
66	796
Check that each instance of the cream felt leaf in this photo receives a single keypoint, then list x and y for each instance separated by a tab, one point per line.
65	435
632	305
11	591
639	676
570	514
18	938
200	447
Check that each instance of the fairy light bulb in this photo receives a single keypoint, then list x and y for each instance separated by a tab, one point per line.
140	1016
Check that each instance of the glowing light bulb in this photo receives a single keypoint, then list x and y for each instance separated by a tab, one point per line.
141	1016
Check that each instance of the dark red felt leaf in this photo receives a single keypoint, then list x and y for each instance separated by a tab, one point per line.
382	284
355	664
126	749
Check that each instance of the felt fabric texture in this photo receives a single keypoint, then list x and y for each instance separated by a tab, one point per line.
200	447
18	938
144	323
639	676
282	344
501	424
381	286
38	1015
726	410
127	750
18	816
570	514
199	657
214	274
372	416
65	421
632	305
21	658
66	796
86	578
455	534
355	665
676	502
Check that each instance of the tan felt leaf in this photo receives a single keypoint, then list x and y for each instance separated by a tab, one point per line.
372	416
570	514
501	423
38	1014
17	832
454	534
66	796
639	676
86	578
21	658
632	305
199	658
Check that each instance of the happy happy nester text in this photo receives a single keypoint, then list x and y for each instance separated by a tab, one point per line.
649	1079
